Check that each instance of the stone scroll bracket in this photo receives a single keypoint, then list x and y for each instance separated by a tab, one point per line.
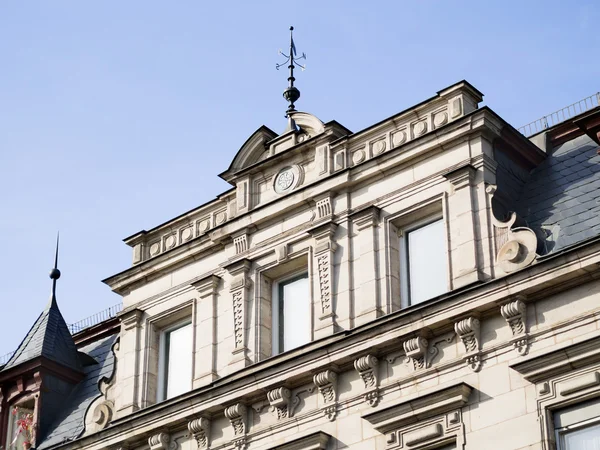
515	246
468	330
238	418
200	429
515	314
323	263
282	402
240	287
161	441
326	382
368	368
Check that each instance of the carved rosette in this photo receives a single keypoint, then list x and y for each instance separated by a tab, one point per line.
515	314
326	382
200	429
367	367
469	332
416	352
237	415
161	441
281	402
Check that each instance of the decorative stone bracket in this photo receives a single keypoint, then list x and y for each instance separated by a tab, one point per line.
515	247
237	415
416	352
282	402
326	382
367	367
200	430
161	441
469	332
515	314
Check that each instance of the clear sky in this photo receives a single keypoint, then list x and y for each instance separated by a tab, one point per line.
116	116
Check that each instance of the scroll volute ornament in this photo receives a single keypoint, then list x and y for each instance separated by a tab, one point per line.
469	332
515	247
161	441
200	429
326	382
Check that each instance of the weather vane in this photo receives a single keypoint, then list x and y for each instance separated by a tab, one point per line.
291	94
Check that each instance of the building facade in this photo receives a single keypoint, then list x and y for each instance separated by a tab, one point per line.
429	282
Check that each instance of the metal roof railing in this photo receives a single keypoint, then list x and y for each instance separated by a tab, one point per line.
4	358
561	115
95	319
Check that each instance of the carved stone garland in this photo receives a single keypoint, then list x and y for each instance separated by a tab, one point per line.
367	367
240	287
161	441
469	332
200	429
326	382
237	415
325	248
515	314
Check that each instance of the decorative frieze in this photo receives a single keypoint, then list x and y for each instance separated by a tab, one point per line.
469	332
200	429
240	243
326	382
281	402
161	441
367	367
238	416
515	314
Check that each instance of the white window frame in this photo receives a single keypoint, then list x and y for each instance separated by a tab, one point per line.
276	304
404	255
589	415
163	359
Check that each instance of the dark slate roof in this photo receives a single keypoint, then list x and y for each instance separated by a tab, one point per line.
561	200
70	424
48	337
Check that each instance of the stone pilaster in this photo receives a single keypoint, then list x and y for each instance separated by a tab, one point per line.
129	375
365	265
240	297
206	330
464	239
323	262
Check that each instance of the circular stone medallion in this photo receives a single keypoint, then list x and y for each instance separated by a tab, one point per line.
287	179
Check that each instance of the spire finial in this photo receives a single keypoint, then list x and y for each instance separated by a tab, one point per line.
291	94
55	273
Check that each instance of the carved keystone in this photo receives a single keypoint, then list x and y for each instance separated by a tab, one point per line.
326	382
515	314
416	351
200	429
281	401
367	366
469	332
161	441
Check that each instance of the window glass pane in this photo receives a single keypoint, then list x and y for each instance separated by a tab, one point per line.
427	262
295	313
583	439
179	361
14	438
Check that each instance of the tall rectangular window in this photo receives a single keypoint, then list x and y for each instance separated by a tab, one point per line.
291	313
578	427
175	375
423	257
16	437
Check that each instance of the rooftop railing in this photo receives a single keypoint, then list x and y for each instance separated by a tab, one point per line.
76	327
561	115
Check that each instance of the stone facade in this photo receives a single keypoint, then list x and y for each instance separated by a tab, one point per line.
484	365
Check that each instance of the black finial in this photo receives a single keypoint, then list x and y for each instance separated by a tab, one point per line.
55	273
291	94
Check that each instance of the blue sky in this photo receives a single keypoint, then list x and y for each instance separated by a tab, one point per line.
117	116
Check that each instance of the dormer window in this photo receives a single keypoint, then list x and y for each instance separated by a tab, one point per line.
175	359
423	260
291	313
20	429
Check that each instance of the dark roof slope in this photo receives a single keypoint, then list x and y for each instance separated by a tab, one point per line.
561	200
70	424
48	337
